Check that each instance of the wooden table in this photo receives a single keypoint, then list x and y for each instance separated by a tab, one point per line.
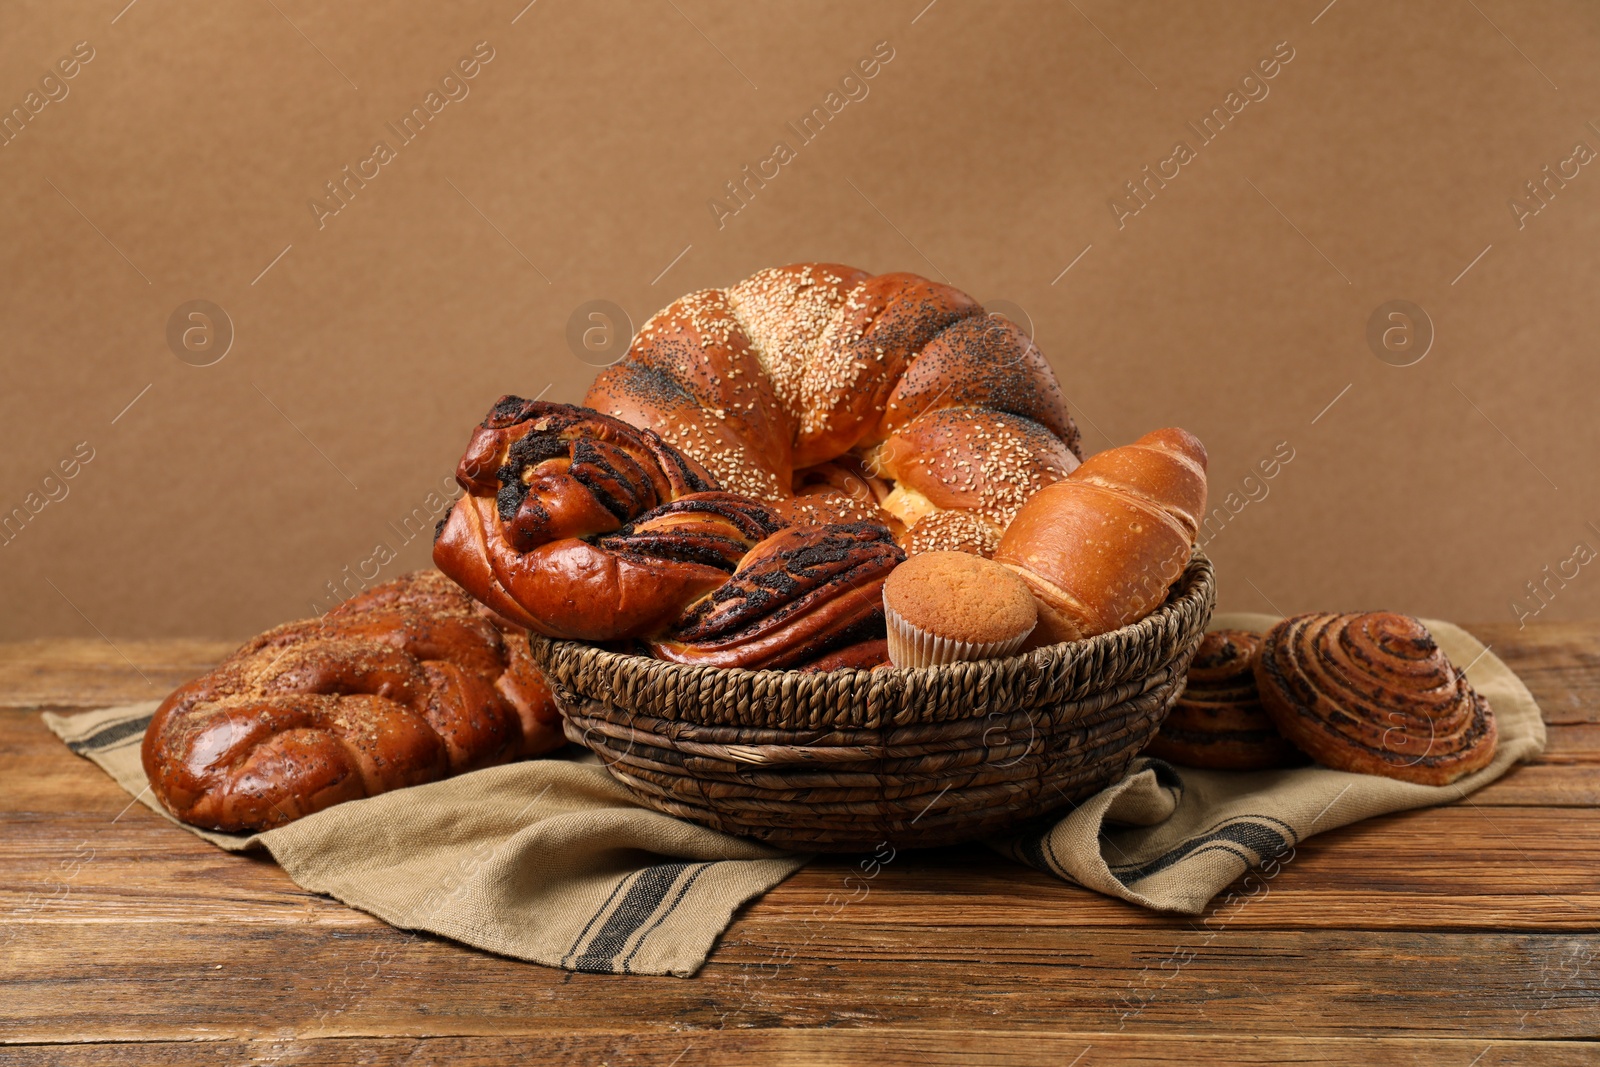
1464	935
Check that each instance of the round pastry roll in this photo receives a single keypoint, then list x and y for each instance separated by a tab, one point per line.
1219	722
1374	694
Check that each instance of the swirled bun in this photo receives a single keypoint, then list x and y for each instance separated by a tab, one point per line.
1373	693
1219	722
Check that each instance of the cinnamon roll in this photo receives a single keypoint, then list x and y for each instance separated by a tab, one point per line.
1372	693
1219	722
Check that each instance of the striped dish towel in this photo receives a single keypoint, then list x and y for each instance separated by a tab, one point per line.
547	860
1173	838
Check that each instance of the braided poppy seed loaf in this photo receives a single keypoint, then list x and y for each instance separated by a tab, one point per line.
799	594
1219	722
409	683
581	527
1373	693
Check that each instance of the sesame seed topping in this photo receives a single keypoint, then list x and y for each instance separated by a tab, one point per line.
835	352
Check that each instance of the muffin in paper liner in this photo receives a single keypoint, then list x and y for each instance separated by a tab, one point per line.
910	646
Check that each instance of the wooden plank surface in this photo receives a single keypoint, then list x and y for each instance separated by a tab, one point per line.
1360	877
1468	934
898	1048
95	673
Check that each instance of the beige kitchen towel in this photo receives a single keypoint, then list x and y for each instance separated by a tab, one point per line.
1172	838
546	860
554	862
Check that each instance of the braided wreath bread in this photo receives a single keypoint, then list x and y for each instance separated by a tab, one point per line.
736	489
836	395
407	683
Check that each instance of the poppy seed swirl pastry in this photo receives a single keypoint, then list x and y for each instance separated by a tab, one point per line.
1373	693
582	527
1218	722
795	596
407	683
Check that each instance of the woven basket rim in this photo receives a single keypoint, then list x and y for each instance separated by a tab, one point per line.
1195	586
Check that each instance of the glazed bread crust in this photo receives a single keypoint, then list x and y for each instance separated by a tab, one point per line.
795	596
580	526
813	364
589	529
1101	547
408	683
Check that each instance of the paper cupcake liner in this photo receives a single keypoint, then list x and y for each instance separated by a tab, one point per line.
910	646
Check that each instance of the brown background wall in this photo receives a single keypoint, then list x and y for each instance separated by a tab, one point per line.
579	167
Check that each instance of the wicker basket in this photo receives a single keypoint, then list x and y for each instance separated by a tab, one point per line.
916	757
